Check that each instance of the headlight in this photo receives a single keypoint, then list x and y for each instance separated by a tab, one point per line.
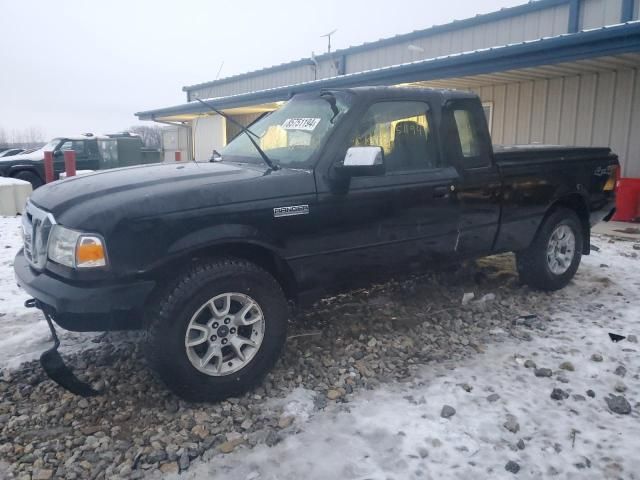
75	249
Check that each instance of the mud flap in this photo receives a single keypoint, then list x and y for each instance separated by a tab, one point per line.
55	367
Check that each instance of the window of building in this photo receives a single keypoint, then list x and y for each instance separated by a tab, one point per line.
402	130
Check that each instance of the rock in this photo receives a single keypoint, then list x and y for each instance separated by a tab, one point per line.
632	339
578	398
334	394
511	424
543	372
618	404
529	364
494	397
183	461
520	444
620	371
447	411
171	467
559	394
372	343
620	387
512	467
487	297
423	452
285	421
83	403
467	297
562	379
466	387
229	445
596	357
567	366
200	431
591	394
42	474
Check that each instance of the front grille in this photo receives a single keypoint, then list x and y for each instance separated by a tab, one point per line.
36	227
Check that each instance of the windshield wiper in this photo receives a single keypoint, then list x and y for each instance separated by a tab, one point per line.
248	132
331	99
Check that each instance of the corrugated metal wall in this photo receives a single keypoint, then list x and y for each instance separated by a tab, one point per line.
590	109
597	13
636	10
543	23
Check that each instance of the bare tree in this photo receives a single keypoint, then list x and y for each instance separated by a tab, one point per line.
4	141
26	138
151	135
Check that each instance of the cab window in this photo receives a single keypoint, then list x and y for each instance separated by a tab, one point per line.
467	134
402	130
467	138
75	145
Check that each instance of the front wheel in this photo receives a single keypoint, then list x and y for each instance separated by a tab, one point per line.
217	330
553	258
31	177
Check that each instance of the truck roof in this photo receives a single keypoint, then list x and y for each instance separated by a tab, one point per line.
433	94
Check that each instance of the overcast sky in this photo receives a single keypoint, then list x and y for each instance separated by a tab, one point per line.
87	66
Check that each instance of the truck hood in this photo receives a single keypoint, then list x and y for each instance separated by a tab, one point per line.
33	156
99	200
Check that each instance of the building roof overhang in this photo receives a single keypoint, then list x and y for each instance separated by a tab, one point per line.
615	40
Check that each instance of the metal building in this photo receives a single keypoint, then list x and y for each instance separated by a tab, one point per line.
549	71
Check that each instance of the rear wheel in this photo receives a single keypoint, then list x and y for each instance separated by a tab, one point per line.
30	177
218	330
553	258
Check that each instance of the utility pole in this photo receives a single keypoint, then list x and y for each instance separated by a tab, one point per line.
328	35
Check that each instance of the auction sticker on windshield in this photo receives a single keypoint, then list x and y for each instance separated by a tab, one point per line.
301	124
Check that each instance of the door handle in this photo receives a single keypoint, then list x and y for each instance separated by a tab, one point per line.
441	192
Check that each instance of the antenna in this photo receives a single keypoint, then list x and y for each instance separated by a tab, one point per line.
328	35
220	69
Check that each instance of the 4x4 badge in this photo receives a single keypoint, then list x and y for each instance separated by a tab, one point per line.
290	211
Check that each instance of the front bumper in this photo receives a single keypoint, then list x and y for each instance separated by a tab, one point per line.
113	306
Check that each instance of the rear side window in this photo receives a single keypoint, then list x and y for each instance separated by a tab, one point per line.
402	130
467	134
467	137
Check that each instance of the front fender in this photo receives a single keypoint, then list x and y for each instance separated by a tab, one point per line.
223	234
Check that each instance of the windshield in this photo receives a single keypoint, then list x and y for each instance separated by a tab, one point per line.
292	134
51	146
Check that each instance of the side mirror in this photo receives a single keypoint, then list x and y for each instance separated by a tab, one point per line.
57	153
363	162
215	157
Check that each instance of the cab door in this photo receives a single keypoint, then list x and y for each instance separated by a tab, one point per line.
376	225
479	192
84	158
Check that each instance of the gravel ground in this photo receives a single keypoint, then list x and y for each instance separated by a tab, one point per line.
336	351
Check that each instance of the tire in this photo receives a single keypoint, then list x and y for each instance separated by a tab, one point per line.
172	317
30	177
542	271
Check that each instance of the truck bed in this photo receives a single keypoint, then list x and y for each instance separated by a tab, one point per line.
536	153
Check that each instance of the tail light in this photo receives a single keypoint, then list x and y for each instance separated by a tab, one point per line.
612	181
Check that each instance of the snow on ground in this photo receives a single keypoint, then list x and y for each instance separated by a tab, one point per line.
24	333
397	430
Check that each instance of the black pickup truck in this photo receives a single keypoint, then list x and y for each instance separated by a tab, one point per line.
334	188
93	152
